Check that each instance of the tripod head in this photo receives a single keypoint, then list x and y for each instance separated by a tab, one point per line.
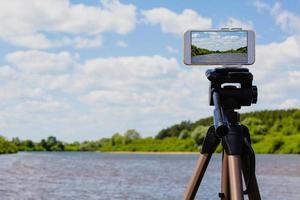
230	89
238	90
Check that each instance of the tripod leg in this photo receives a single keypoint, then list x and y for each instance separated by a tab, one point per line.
210	144
248	166
235	177
197	176
254	191
224	178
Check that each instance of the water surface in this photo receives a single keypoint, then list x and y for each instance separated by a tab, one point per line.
63	176
221	58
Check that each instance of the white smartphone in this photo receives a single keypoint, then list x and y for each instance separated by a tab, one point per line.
219	47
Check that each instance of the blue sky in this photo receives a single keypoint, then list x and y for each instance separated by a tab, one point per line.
83	70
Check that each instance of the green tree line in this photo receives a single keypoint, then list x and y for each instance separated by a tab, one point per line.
196	51
276	131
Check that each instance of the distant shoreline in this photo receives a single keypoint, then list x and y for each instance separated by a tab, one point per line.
140	152
152	152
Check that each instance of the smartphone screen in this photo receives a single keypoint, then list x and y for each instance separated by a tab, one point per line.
219	47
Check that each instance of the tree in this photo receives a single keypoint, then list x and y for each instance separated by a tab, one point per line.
29	145
89	146
198	134
7	146
16	141
184	134
104	141
44	145
51	144
255	126
51	141
58	147
174	130
296	117
131	135
117	138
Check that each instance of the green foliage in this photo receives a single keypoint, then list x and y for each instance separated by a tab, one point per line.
26	145
7	146
239	50
175	130
242	50
196	51
75	146
275	131
154	145
116	139
199	51
198	134
89	146
255	125
131	135
184	134
52	144
84	146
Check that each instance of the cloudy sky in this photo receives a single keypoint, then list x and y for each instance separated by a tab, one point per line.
221	41
82	70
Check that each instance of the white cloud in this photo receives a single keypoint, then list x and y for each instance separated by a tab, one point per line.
171	22
142	86
143	92
276	55
126	67
107	97
287	20
17	90
289	103
30	40
81	42
276	72
47	106
121	44
26	23
40	41
220	40
236	23
7	72
261	6
38	61
277	64
171	49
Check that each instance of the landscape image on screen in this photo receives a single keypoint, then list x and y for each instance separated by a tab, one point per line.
219	47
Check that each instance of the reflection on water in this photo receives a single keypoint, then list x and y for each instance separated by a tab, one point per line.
83	176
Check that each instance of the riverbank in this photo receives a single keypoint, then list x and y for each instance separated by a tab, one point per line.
141	152
272	132
152	152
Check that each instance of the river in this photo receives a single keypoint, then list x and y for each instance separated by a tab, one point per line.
221	58
97	176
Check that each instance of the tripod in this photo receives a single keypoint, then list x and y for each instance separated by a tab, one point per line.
230	88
